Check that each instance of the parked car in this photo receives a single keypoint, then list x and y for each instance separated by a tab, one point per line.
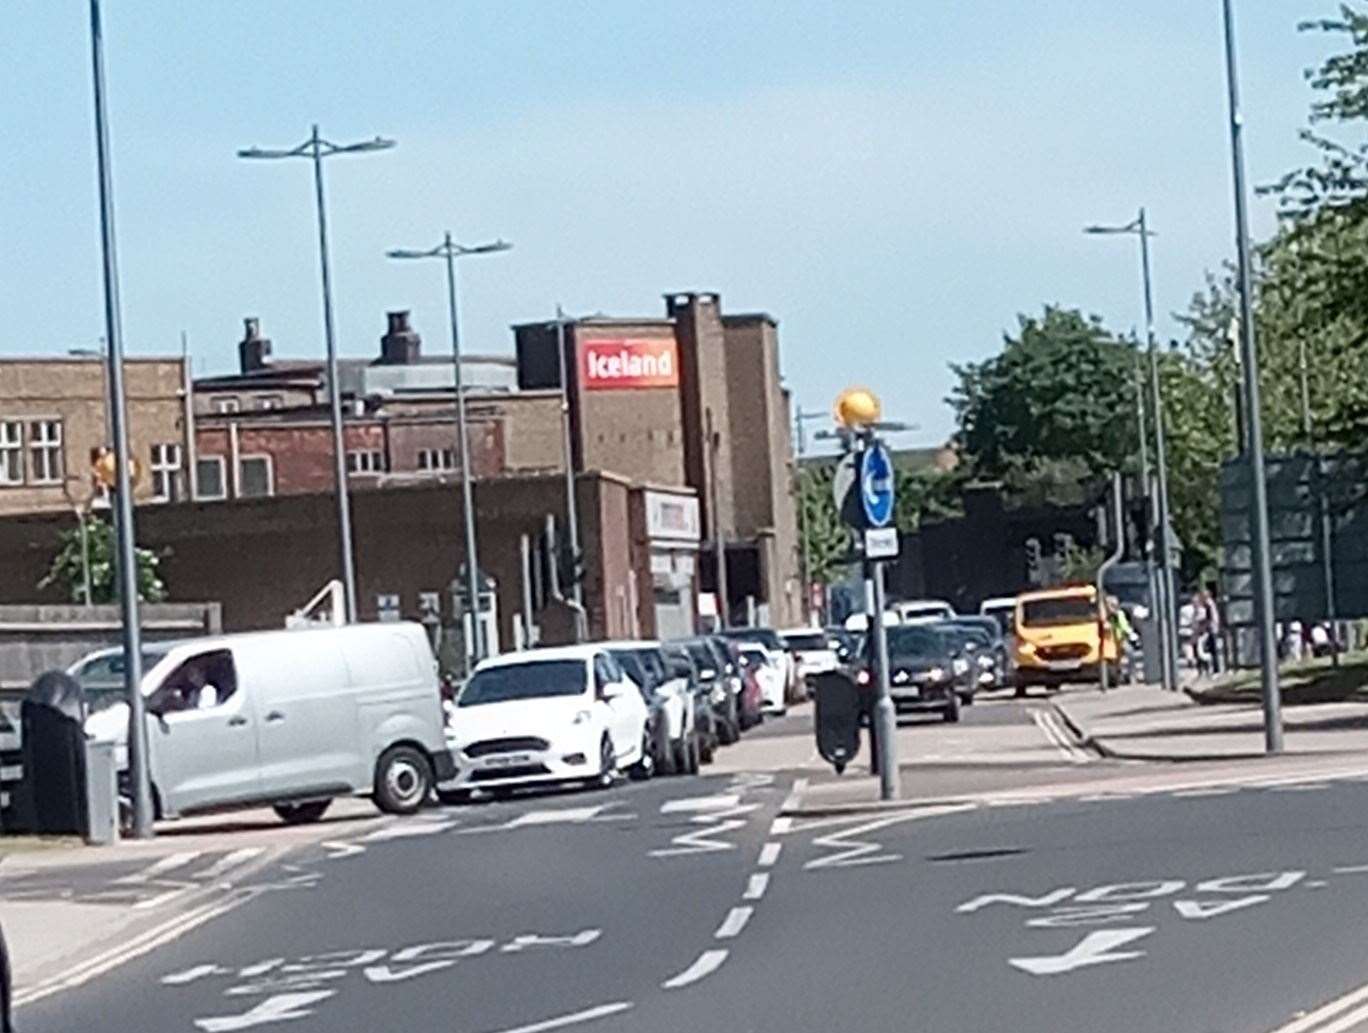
768	639
768	675
564	714
717	670
751	703
669	702
680	664
290	718
921	672
811	650
923	611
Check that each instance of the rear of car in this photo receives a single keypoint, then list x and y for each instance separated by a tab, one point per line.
767	639
923	611
921	672
1060	638
811	650
769	677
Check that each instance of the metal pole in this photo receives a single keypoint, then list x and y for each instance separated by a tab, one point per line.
123	495
477	636
344	529
1323	504
719	544
1140	422
1263	574
525	557
1117	552
1168	614
571	503
885	715
85	557
804	557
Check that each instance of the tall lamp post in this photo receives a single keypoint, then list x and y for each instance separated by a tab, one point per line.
1263	574
448	250
1166	603
315	148
801	417
118	425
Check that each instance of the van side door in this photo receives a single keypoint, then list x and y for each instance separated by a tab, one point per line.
202	733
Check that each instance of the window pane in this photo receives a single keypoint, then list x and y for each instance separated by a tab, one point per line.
209	473
255	474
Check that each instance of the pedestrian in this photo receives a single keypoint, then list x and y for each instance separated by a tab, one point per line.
5	1025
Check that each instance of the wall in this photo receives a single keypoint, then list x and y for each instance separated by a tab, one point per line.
704	390
73	390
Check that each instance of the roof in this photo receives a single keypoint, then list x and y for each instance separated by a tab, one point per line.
528	656
1059	592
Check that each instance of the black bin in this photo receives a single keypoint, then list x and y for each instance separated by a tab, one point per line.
54	787
839	705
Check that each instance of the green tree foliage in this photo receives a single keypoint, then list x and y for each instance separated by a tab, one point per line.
100	552
827	538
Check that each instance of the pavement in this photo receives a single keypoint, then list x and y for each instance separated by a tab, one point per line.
1028	884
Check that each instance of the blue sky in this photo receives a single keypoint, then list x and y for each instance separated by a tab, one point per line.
894	181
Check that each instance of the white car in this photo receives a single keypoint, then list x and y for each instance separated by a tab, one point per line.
546	715
1002	609
770	673
923	611
674	742
811	650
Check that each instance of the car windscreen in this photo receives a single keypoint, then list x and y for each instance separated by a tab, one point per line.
914	642
974	633
533	680
1065	609
803	641
631	663
102	677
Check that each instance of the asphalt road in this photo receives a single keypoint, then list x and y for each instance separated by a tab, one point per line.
685	904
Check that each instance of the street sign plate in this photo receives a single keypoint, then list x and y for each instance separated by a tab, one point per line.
876	485
881	543
843	480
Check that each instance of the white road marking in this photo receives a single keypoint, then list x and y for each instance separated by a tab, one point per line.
556	817
340	850
780	825
1186	794
769	853
273	1009
700	841
735	921
1050	727
158	868
1303	787
756	886
1097	948
160	898
856	852
1210	909
1330	1013
599	1012
230	861
699	803
1353	869
193	973
405	829
385	974
706	964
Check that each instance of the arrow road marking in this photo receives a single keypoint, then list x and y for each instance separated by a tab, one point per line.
1097	948
599	1012
273	1009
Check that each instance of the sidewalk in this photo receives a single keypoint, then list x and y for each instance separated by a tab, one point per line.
1143	722
68	908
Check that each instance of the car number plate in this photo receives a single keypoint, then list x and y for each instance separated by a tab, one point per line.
1065	665
508	760
908	692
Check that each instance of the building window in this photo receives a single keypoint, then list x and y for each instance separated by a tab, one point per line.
269	401
209	477
45	451
436	459
11	452
366	460
225	403
166	466
255	477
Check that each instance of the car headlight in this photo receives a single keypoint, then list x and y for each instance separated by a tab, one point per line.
936	674
583	717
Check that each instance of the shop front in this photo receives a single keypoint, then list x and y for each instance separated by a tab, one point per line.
666	531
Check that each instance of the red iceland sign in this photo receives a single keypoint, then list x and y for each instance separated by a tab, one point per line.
627	363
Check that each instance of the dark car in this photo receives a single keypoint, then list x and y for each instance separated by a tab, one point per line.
846	643
646	667
921	671
972	659
680	664
991	638
718	671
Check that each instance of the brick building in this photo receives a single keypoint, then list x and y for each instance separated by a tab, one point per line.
52	416
692	400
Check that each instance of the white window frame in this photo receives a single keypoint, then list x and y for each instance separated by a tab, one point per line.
222	463
226	403
12	476
270	475
445	460
164	472
374	461
41	443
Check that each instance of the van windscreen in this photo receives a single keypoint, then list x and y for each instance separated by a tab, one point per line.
1068	609
533	680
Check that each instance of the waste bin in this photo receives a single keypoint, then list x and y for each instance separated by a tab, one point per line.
54	747
838	709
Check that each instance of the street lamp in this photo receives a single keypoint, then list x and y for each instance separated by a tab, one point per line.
800	449
315	148
448	250
1263	574
1166	601
118	423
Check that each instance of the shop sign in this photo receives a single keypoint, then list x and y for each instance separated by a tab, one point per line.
628	363
672	517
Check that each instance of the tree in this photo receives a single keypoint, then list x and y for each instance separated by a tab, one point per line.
827	537
100	553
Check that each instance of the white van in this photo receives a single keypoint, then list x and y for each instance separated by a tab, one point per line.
923	611
288	718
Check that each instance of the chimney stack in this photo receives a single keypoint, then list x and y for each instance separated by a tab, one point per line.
401	344
254	351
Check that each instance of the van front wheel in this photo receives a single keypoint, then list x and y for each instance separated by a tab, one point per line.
403	778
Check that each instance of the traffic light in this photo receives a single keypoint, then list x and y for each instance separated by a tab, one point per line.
569	566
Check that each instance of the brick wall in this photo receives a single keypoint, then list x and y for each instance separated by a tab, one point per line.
703	389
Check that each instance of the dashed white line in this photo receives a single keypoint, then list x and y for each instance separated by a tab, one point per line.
699	803
159	868
560	1022
230	861
780	825
769	853
756	886
706	964
735	921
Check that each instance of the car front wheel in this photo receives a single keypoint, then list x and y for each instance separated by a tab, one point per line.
952	709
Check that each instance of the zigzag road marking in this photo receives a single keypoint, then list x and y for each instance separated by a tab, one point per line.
853	851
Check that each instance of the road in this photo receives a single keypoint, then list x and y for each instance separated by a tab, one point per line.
684	904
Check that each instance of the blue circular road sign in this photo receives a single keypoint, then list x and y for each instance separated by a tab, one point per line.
876	485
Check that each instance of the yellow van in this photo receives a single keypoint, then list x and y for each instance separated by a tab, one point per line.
1061	637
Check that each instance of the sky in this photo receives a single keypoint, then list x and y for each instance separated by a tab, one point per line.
893	181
